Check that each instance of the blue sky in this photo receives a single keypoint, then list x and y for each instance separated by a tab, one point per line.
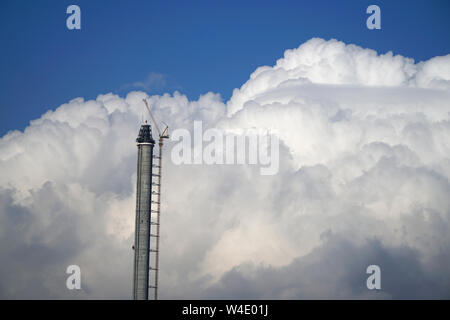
198	46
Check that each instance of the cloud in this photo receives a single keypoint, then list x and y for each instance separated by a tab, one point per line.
335	63
154	82
364	179
336	270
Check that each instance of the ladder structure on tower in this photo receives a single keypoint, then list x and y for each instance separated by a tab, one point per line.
155	212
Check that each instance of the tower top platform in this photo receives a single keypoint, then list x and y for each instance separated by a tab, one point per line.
145	134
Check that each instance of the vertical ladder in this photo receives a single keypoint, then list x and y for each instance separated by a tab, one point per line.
155	224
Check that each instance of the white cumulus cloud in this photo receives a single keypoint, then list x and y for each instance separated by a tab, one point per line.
364	179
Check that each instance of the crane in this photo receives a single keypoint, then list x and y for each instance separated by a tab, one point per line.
157	192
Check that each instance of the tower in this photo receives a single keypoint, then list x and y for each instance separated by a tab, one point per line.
145	144
146	251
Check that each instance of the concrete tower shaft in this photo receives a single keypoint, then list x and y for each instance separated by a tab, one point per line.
145	144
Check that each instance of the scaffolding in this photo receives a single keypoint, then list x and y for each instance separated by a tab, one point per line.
155	210
155	223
